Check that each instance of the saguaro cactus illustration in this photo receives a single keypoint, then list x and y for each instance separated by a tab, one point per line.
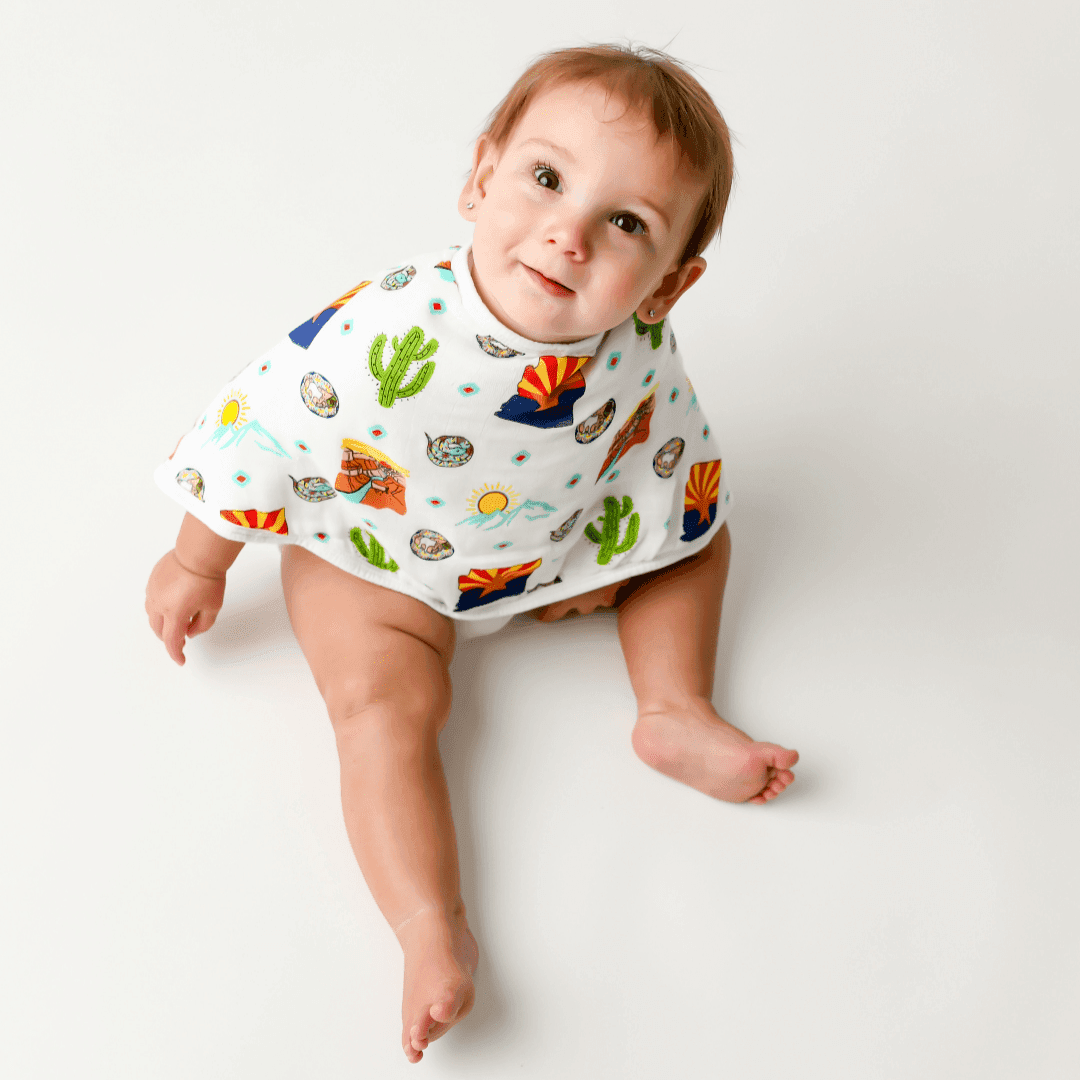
654	330
608	535
373	551
405	353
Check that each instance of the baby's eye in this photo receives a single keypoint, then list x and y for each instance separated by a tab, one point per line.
629	224
546	176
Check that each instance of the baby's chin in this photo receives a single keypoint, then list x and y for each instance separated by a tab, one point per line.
525	319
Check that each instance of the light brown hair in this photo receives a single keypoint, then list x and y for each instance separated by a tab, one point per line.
654	83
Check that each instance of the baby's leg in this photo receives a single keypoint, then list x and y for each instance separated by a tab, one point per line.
380	662
669	621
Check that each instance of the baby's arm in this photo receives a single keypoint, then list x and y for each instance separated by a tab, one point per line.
187	587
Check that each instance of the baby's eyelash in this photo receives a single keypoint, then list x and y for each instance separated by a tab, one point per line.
539	167
634	217
543	166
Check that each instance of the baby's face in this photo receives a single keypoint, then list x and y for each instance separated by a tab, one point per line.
580	218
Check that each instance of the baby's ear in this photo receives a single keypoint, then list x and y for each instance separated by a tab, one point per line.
473	192
655	307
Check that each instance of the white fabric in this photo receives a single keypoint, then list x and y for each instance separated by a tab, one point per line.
468	485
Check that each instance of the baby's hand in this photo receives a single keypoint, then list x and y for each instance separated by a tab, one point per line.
181	603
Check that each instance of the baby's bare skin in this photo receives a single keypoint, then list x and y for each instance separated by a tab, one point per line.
381	658
381	661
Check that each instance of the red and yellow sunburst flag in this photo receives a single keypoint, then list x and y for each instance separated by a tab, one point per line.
490	581
702	489
270	520
551	376
341	301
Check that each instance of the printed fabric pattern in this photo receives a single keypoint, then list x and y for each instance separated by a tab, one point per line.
406	436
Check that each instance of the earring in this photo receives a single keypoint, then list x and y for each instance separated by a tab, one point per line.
468	206
652	311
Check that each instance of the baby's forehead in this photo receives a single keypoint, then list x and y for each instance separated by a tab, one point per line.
575	102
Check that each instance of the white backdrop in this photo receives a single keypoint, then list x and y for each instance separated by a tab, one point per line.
884	346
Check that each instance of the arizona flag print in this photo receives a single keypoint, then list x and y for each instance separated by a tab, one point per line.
699	502
305	333
547	392
483	586
270	520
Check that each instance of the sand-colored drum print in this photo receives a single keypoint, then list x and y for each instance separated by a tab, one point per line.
592	427
448	451
313	489
563	531
430	545
667	457
318	395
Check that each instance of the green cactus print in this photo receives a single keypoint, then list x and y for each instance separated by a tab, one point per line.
405	353
373	551
654	330
608	536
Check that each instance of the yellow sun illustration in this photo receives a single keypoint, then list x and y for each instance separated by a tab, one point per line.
234	410
492	498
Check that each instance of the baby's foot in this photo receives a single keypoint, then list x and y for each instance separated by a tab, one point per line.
693	744
440	958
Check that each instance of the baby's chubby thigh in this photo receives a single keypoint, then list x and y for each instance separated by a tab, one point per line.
371	649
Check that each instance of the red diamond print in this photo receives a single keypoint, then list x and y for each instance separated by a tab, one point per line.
242	478
519	457
302	446
376	431
320	536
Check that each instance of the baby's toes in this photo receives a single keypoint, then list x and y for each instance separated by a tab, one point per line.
411	1052
777	784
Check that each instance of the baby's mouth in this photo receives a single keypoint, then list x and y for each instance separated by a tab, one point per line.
548	284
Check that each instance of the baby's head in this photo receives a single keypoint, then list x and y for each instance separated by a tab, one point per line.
598	182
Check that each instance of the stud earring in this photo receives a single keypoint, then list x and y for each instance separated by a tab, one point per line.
652	311
468	206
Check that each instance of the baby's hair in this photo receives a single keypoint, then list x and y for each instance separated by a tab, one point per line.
646	79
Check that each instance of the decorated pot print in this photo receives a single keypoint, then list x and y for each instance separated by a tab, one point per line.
592	427
667	457
318	395
191	480
430	545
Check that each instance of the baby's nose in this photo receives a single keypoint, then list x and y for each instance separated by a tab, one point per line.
569	233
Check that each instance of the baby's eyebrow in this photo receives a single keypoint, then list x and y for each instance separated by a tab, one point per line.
553	146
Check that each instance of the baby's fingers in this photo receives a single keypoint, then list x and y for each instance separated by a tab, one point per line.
173	637
201	623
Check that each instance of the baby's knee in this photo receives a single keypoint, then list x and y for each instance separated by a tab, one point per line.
410	702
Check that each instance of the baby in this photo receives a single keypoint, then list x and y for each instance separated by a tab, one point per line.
509	428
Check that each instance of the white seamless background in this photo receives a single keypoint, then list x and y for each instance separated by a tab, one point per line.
886	343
